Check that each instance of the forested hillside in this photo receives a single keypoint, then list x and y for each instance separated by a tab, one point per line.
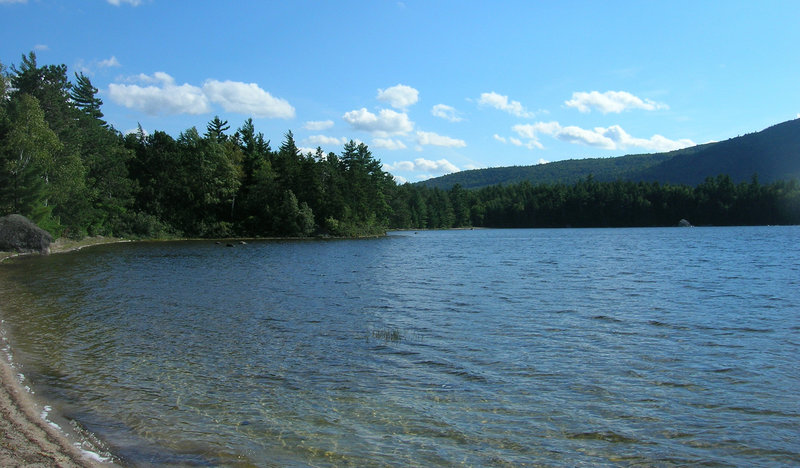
73	174
773	154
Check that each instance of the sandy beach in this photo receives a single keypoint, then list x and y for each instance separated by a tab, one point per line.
26	438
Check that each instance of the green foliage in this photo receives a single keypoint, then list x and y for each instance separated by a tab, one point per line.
64	167
26	158
84	96
589	203
772	153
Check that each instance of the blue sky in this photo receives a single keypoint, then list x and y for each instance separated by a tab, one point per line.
431	87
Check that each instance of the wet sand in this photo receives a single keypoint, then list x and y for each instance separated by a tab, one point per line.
26	439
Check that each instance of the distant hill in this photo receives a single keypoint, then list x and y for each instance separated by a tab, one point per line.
773	154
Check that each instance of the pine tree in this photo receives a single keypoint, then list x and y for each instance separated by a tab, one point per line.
84	96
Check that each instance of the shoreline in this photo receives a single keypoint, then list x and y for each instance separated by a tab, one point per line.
28	438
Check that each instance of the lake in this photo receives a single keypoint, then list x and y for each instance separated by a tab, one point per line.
564	347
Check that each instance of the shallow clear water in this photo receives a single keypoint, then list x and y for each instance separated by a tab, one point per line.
488	347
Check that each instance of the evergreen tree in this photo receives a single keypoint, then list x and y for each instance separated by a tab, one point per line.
26	153
84	97
216	128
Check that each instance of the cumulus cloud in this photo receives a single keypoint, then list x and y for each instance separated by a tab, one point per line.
532	143
247	99
428	167
318	125
399	96
388	144
442	166
323	140
611	101
386	122
400	166
161	96
430	138
109	62
129	2
443	111
158	94
92	66
611	138
498	101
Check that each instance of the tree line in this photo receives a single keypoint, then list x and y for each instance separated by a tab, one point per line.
589	203
72	173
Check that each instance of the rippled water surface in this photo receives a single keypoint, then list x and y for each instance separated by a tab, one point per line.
488	347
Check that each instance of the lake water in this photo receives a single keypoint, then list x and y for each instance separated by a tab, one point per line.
594	347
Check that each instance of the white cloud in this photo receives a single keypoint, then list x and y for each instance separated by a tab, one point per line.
611	101
532	143
430	138
399	96
135	131
426	166
318	125
161	97
120	2
400	166
322	140
399	179
573	134
655	143
439	166
247	99
610	138
386	122
13	1
41	47
158	94
443	111
542	161
304	150
109	62
388	144
498	101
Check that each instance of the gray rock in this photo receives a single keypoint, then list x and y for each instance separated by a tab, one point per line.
19	234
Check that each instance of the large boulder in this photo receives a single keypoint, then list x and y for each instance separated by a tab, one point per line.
19	234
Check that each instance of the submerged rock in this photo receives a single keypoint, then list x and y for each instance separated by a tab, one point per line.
18	233
684	223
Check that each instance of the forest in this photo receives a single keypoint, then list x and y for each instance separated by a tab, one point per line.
68	170
772	153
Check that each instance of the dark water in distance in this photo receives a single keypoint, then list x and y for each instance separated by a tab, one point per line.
594	347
